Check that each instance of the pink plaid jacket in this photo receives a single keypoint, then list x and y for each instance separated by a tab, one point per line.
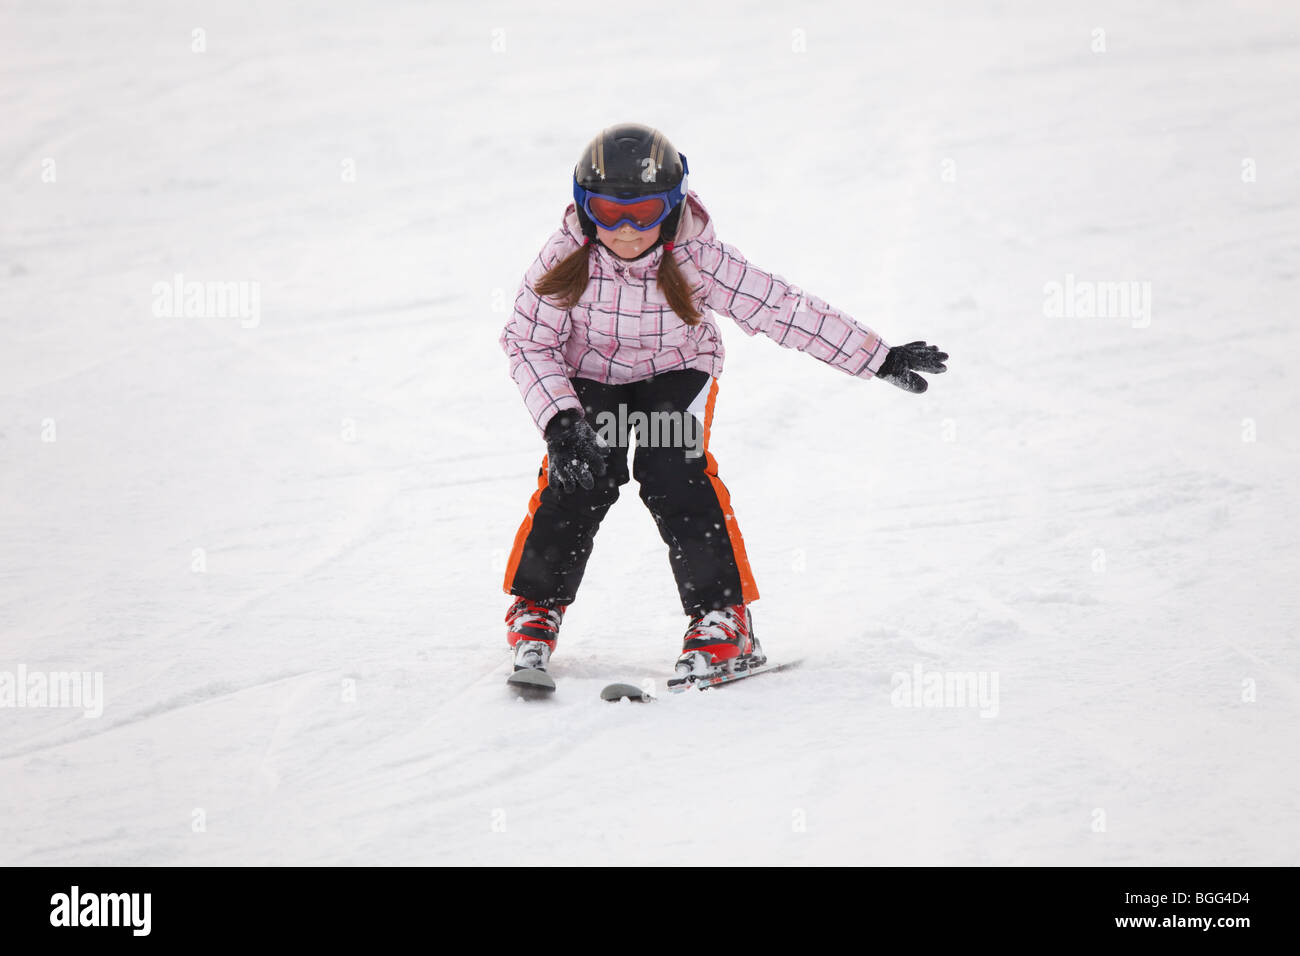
623	329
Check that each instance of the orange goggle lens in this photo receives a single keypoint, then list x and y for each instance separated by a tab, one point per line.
643	213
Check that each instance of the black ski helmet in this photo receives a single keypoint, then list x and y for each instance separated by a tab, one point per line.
629	160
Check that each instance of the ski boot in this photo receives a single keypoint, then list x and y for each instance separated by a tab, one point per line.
532	630
717	644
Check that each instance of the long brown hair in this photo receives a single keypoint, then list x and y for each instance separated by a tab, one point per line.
567	280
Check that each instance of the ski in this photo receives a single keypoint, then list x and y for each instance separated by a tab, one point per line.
626	691
678	685
532	682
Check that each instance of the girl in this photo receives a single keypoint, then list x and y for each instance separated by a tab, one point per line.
611	333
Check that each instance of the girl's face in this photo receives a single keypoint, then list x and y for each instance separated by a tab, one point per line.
625	242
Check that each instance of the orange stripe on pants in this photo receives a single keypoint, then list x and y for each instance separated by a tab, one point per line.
521	536
748	589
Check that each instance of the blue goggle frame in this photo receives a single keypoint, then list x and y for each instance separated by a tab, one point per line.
671	198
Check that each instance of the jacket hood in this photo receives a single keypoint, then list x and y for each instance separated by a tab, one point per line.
695	225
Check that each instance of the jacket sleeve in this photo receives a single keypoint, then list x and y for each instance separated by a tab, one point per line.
762	302
534	338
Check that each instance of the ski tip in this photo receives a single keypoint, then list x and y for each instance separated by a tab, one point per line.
630	691
532	681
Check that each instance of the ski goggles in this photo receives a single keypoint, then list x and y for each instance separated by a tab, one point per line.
642	213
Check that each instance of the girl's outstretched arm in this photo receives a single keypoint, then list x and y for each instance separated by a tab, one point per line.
762	302
534	340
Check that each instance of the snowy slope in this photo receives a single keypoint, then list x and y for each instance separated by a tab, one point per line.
1097	510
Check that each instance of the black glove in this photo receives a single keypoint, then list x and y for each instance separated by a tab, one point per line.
904	361
574	452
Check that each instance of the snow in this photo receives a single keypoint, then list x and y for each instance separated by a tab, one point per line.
279	538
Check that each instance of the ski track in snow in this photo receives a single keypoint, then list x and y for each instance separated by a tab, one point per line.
1095	510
